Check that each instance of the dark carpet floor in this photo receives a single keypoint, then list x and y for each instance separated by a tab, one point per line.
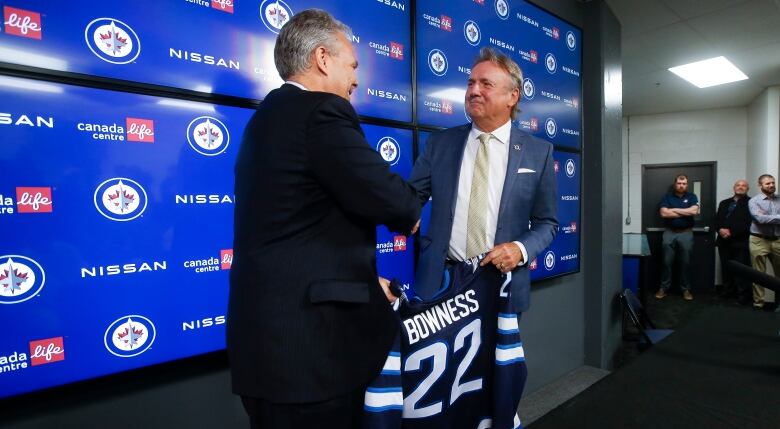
670	313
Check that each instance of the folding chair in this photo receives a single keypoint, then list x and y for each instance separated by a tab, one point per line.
649	334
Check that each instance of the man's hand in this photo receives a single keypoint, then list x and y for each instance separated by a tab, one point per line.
724	232
416	226
506	257
385	283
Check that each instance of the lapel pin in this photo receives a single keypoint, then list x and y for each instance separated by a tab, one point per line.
517	147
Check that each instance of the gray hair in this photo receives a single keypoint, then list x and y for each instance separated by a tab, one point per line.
508	65
304	33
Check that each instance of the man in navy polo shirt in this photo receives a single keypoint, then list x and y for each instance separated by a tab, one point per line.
678	209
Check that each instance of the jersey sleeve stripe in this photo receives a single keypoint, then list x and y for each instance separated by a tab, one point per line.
393	363
509	354
383	399
507	325
485	423
517	425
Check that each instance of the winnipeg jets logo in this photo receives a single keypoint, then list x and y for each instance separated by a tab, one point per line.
550	127
570	168
529	89
390	150
472	33
129	336
208	136
549	260
571	40
120	199
502	9
551	63
437	62
21	278
112	40
275	13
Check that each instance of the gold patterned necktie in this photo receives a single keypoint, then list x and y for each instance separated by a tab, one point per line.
476	234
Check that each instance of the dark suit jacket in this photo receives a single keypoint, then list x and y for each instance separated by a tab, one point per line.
738	223
527	212
307	319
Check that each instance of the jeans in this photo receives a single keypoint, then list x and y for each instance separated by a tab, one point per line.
677	245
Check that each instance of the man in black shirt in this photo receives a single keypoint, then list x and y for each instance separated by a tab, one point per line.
732	226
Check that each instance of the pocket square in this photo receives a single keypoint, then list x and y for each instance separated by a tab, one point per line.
526	170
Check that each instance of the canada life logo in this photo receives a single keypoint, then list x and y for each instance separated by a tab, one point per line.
33	200
550	127
223	5
529	89
225	259
533	265
22	23
396	51
446	23
275	13
21	278
129	336
472	33
549	260
112	40
446	107
550	63
502	9
390	150
120	199
437	62
556	33
399	243
140	130
571	168
47	351
208	136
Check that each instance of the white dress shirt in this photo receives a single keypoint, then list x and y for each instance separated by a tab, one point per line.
294	83
498	156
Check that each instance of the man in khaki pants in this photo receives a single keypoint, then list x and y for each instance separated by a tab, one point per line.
764	233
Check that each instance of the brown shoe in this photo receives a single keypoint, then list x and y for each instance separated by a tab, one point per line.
661	294
687	295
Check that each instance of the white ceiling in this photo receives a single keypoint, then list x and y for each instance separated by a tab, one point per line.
658	34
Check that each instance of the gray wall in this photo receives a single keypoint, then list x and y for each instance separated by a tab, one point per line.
573	320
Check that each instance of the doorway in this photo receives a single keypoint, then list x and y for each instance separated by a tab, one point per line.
657	180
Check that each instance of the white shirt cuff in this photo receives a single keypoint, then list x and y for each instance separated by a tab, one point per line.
523	251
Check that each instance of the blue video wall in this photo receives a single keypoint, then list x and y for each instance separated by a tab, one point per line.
117	214
548	50
116	207
212	46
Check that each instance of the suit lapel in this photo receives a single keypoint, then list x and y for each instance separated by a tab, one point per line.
516	154
454	162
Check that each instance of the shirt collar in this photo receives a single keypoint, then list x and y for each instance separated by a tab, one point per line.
501	133
294	83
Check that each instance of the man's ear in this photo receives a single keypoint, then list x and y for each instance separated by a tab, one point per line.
321	59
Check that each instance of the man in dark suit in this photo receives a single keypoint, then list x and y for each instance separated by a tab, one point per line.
492	186
308	323
732	226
